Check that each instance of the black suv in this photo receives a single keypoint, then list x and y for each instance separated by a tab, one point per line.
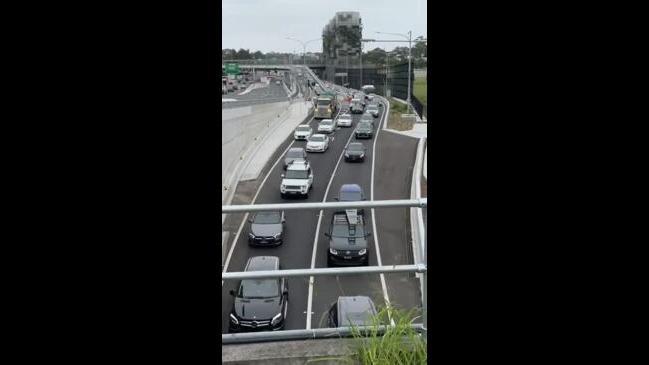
363	130
347	239
351	311
260	304
266	228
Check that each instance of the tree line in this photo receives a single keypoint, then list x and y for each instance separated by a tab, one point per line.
376	56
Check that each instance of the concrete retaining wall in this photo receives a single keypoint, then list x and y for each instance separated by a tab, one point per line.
241	127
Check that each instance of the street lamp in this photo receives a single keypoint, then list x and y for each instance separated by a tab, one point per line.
303	46
409	38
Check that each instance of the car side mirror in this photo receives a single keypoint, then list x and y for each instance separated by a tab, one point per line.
282	175
232	292
327	234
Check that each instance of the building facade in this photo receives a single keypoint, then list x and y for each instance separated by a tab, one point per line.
341	41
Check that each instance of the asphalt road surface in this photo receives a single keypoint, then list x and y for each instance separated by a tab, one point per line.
270	94
393	170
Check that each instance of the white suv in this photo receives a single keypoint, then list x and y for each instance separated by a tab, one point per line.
298	179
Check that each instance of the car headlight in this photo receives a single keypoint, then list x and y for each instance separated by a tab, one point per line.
233	319
362	251
276	236
346	154
303	188
362	155
333	252
276	319
252	236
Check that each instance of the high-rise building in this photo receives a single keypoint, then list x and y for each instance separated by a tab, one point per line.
342	37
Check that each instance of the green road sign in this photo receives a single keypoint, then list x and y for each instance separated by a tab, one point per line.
232	68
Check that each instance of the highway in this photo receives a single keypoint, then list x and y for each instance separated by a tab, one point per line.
385	174
268	94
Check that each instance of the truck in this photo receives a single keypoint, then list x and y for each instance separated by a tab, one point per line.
326	106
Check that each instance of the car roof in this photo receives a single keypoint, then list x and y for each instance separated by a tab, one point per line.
295	149
318	135
351	188
348	306
298	165
260	263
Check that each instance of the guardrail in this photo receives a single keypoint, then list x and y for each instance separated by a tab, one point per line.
306	334
419	267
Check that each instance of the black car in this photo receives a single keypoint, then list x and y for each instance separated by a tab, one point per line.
351	311
347	239
355	151
260	304
266	228
364	130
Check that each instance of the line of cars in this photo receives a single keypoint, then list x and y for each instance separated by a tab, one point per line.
262	304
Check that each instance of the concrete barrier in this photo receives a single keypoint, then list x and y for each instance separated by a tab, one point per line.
241	128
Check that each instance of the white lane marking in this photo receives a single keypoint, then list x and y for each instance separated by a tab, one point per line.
245	217
376	236
317	231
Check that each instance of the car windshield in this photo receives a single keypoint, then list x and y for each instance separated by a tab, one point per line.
364	125
294	153
355	147
343	230
316	139
267	218
350	196
259	288
323	101
325	122
297	174
303	128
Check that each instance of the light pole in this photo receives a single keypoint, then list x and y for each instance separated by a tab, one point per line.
409	38
303	46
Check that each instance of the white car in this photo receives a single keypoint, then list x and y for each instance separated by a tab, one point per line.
298	179
317	143
302	132
327	126
345	120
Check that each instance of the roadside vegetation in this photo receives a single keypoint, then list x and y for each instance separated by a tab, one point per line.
394	120
398	345
420	90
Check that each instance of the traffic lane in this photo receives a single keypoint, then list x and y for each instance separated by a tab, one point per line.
395	160
296	250
327	289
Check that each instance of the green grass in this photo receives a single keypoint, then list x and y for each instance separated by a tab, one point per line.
394	120
399	345
420	90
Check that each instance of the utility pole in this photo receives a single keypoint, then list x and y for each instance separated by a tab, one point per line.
409	65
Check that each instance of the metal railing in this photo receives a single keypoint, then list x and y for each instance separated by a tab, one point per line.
306	334
419	267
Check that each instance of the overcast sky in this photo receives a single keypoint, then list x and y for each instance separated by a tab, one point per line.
263	25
